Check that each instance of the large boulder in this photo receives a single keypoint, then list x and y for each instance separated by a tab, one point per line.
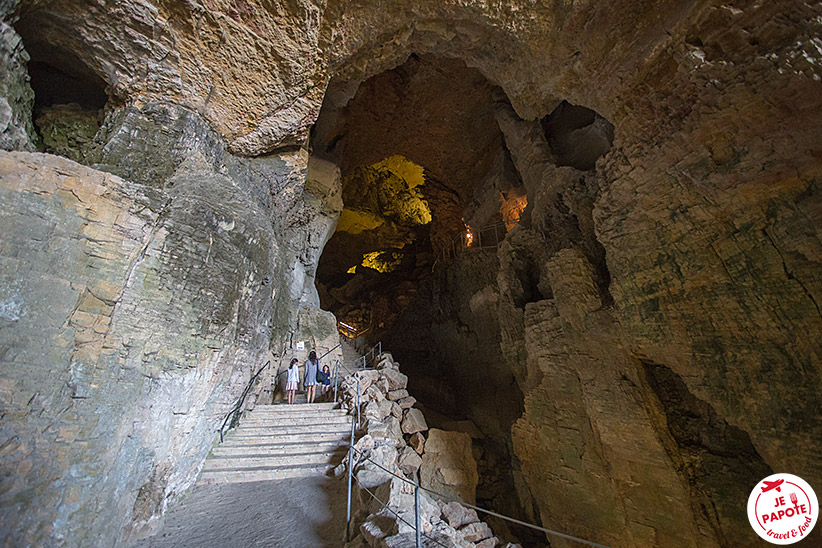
396	395
396	380
448	465
417	441
409	461
414	421
458	515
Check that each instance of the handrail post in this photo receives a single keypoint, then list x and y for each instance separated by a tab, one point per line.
358	403
336	378
417	513
350	477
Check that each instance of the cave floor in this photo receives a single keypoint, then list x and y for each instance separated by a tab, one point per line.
297	512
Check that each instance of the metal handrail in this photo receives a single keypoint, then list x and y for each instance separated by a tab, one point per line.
235	411
451	498
466	240
329	352
374	353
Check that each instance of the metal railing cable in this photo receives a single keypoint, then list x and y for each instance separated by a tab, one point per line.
492	235
399	517
450	498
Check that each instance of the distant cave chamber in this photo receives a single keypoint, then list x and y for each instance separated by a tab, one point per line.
426	172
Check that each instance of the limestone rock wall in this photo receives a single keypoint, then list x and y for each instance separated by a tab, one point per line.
119	302
135	311
660	313
16	96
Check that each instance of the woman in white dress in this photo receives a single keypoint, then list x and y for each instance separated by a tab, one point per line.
293	379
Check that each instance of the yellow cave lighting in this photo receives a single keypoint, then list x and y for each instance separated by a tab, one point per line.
352	270
511	207
355	222
403	168
382	261
391	189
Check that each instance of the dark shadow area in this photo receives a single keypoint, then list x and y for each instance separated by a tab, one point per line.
55	86
419	148
69	97
717	460
578	136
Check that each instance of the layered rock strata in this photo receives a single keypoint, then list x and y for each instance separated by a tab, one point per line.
134	312
668	300
639	312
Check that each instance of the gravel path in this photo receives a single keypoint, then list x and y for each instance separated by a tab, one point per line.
293	513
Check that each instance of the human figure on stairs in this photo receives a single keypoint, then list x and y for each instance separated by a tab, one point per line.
326	379
293	379
310	379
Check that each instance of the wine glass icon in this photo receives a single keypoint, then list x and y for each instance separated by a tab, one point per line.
793	499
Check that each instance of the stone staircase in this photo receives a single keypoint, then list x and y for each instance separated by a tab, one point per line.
281	441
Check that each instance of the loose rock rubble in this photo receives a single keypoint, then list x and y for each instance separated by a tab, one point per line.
392	437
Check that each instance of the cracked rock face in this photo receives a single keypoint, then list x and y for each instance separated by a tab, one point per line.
135	311
650	331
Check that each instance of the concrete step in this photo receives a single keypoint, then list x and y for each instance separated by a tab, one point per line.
308	418
277	427
309	414
296	407
238	438
277	446
286	422
278	461
276	450
264	474
283	429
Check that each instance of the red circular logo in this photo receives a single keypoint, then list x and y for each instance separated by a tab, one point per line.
783	509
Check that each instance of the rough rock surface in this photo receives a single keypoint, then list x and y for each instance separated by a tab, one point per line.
448	465
384	510
648	309
16	96
133	314
668	300
117	366
413	421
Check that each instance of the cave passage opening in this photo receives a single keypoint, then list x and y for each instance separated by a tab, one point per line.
70	98
423	161
426	172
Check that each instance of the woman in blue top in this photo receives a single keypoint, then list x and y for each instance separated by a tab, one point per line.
310	379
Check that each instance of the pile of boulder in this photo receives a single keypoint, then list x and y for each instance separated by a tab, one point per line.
395	449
